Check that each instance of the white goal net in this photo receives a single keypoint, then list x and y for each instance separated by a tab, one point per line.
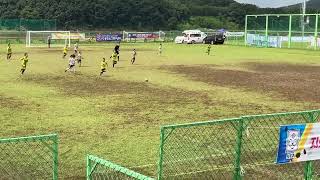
46	38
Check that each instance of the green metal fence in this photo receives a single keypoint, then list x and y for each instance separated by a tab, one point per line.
238	148
34	157
283	30
98	168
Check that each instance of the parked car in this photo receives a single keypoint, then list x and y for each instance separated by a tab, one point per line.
191	37
217	38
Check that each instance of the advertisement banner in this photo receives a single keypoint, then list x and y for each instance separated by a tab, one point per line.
80	36
299	143
143	35
235	34
108	37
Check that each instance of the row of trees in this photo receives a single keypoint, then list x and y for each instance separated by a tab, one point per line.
135	14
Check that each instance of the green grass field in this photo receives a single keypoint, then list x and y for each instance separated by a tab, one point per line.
118	116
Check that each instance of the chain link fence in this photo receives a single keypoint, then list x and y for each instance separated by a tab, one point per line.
34	157
98	168
239	148
232	149
28	24
300	31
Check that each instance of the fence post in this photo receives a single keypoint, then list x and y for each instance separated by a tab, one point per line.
308	168
316	33
267	31
89	167
290	31
246	31
55	158
237	163
160	165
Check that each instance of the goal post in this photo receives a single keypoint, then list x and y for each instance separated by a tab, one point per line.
41	38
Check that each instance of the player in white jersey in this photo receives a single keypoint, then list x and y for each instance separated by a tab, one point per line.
76	48
79	58
72	64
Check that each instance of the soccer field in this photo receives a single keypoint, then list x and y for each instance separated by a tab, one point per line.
118	116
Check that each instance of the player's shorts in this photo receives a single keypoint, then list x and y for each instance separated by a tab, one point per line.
103	70
79	60
9	53
134	58
23	67
115	62
71	66
64	54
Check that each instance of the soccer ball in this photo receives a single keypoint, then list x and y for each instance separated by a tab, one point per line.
146	80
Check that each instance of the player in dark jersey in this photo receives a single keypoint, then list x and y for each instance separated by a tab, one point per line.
117	51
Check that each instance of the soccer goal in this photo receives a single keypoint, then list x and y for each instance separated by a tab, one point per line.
42	38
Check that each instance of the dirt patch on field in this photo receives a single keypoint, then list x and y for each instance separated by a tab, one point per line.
12	103
293	82
138	102
81	85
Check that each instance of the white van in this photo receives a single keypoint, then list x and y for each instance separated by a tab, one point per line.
191	37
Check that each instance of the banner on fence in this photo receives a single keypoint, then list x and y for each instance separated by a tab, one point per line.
80	36
299	143
108	37
143	35
235	34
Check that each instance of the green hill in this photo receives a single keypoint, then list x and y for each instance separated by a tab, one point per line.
314	4
143	15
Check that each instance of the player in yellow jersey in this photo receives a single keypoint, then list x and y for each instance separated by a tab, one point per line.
104	66
134	54
208	49
114	58
65	51
9	52
24	60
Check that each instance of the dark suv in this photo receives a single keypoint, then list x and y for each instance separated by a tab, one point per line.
217	38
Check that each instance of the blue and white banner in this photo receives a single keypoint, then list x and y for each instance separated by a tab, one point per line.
299	143
108	37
